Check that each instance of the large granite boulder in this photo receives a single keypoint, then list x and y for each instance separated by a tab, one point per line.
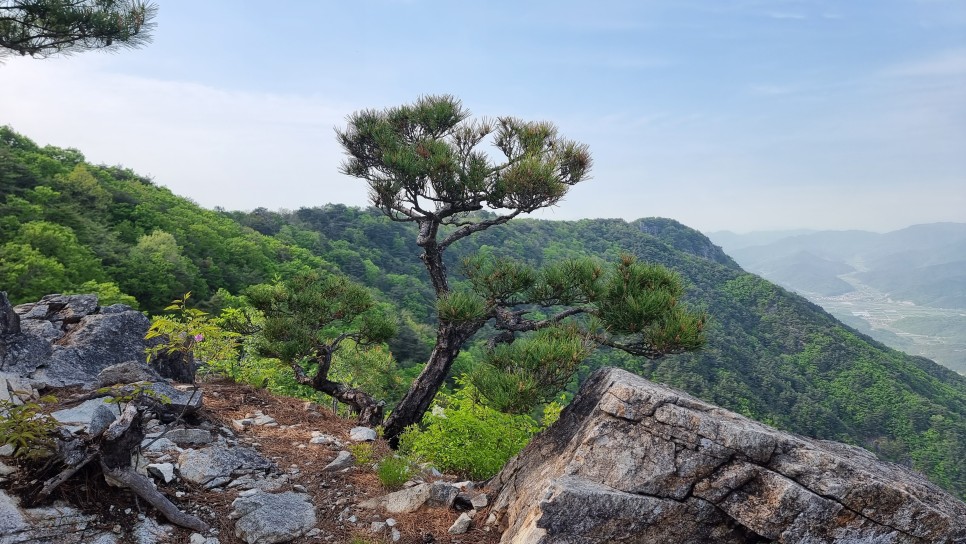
266	518
65	340
635	462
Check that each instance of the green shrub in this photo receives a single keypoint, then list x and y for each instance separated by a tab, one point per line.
393	472
191	332
362	452
27	428
467	437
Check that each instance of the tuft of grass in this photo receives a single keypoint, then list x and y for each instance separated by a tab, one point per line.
362	452
393	472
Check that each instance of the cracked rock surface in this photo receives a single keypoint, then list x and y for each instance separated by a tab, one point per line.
635	462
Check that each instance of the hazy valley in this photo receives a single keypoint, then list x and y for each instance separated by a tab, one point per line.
906	288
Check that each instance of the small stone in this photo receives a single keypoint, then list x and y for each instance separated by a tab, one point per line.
241	424
461	525
189	437
298	488
480	501
442	494
165	471
396	535
322	439
362	434
264	420
391	522
342	460
377	527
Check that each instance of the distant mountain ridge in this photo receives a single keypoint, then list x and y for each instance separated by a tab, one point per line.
925	264
899	286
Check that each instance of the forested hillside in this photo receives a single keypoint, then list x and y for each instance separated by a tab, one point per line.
67	225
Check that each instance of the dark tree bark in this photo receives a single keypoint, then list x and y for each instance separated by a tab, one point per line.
371	411
416	401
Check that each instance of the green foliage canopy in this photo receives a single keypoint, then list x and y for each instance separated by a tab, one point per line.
311	316
41	28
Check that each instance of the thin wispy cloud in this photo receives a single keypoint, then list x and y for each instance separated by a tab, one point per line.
787	15
945	63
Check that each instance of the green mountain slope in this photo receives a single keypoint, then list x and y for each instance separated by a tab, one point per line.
65	222
771	354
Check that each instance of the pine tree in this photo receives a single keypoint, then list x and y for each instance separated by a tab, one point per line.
41	28
424	163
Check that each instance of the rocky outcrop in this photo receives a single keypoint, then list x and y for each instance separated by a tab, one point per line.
65	340
635	462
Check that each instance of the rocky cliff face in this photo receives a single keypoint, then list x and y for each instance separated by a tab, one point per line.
635	462
66	340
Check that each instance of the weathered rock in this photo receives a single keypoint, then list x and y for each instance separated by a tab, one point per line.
264	518
126	372
165	471
101	419
64	340
362	434
461	525
149	531
178	366
59	524
9	320
80	417
177	401
17	389
60	309
480	501
442	494
322	439
189	437
402	501
21	354
155	444
342	460
198	538
213	466
636	462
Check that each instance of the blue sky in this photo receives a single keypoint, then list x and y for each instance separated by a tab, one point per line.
725	115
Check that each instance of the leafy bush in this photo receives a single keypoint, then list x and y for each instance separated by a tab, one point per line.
393	471
27	428
191	332
466	437
362	452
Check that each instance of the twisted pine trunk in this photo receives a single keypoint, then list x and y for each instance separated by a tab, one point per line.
416	401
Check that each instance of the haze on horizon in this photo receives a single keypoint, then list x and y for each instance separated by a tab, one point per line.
739	116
